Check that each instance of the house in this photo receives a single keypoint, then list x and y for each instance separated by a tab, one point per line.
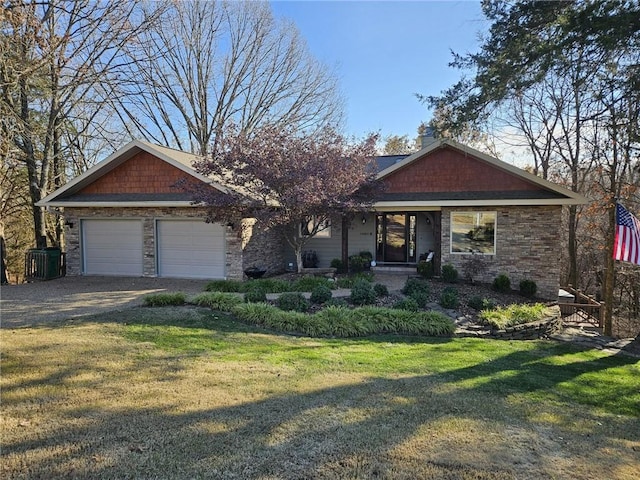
125	216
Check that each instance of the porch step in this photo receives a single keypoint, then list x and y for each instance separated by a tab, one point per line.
393	269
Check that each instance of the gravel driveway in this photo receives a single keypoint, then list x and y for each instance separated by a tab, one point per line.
68	297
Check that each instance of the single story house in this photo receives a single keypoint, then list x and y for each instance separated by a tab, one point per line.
124	216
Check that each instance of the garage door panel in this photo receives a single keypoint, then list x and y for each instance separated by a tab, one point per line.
190	249
112	247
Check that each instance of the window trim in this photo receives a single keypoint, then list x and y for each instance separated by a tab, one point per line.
475	213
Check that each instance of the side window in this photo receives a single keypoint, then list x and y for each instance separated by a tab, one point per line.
323	231
473	232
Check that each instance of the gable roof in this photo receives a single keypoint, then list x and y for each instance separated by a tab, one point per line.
541	192
67	195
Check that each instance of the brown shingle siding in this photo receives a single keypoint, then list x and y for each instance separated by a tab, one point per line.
448	169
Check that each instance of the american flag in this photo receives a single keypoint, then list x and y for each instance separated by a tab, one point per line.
626	246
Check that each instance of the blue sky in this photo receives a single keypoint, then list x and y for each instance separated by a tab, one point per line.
385	52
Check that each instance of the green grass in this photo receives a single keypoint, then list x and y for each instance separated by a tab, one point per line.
187	392
516	314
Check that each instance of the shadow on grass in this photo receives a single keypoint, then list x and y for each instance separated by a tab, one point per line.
381	427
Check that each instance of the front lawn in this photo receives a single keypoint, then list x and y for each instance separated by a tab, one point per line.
184	392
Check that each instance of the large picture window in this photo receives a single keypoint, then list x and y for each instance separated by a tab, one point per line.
473	232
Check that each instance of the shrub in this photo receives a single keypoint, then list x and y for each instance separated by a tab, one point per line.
268	285
502	283
362	293
224	286
408	303
449	298
528	288
356	263
336	302
367	257
217	300
164	299
320	294
425	269
449	273
309	282
294	301
255	295
350	281
515	314
473	266
345	322
338	264
381	290
413	285
479	303
421	298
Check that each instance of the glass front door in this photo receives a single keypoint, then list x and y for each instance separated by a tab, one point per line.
396	238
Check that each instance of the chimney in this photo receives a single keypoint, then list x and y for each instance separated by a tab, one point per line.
427	137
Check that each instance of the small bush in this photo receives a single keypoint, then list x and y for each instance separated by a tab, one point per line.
502	283
338	264
421	298
321	294
357	263
515	314
479	303
425	269
473	266
362	293
350	281
308	283
164	299
224	286
381	290
292	301
217	300
337	302
449	273
413	285
255	295
408	303
528	288
449	298
367	257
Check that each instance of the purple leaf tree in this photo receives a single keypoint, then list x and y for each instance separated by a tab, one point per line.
286	179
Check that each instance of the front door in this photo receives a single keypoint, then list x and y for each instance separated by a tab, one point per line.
396	238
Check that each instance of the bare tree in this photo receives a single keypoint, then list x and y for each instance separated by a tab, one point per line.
207	63
58	59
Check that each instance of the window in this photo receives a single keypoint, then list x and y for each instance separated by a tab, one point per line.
324	227
473	232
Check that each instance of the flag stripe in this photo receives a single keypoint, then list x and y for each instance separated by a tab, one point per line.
626	246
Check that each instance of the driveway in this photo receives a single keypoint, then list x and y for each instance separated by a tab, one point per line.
69	297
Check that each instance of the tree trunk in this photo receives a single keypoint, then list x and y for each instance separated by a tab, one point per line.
609	273
345	243
3	256
298	251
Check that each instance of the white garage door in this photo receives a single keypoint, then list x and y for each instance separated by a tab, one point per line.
112	247
190	249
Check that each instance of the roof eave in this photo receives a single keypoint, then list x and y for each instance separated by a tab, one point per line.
477	203
63	204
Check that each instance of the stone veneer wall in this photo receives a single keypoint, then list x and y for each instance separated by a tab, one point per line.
262	248
527	246
233	267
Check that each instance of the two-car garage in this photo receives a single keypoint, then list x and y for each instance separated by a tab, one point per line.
182	248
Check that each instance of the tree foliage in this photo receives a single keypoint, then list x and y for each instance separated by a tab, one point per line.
566	75
284	179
